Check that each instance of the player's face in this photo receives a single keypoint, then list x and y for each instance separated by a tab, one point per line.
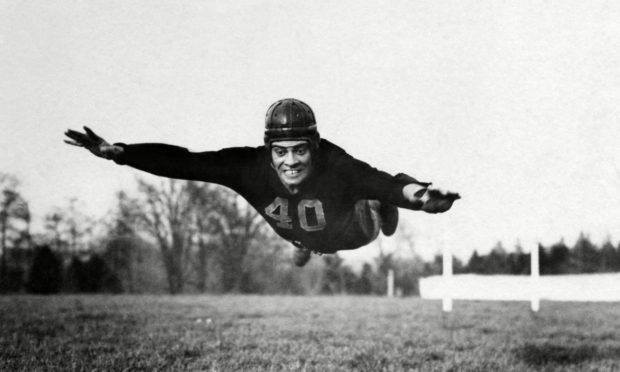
292	161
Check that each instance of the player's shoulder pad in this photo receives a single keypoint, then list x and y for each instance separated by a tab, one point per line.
329	146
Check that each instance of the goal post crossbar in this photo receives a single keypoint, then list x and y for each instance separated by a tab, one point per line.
448	280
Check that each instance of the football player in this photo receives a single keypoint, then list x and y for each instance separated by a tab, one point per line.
309	190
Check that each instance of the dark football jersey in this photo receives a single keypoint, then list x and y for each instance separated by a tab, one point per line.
315	217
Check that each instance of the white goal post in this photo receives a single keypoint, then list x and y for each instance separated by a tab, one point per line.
535	278
601	287
448	279
446	301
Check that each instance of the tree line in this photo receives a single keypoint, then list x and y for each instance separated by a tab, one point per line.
185	237
584	257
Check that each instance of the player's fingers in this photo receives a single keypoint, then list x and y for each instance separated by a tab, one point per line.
74	143
76	136
434	193
70	132
438	193
443	205
73	133
91	134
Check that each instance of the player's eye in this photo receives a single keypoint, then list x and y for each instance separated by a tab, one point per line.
301	150
279	151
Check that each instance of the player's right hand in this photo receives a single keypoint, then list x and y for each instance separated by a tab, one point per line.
93	143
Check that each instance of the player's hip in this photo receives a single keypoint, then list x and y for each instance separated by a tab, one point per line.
357	228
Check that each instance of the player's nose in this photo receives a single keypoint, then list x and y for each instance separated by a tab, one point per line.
290	158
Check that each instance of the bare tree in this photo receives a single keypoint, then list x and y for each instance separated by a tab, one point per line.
207	204
234	228
198	224
68	229
136	263
166	217
14	222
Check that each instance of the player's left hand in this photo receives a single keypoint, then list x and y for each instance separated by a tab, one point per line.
429	199
438	201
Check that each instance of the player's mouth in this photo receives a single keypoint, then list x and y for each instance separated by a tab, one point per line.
294	175
292	172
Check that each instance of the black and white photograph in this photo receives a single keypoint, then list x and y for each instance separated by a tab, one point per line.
286	185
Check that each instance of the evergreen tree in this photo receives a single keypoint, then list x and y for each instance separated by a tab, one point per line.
616	265
75	276
366	278
98	277
434	267
608	257
518	262
384	263
408	273
475	264
45	276
349	279
497	261
585	256
559	259
333	282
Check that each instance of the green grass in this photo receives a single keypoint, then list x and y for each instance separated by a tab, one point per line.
224	333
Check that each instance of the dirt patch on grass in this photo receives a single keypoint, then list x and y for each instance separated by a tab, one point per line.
548	353
367	362
250	316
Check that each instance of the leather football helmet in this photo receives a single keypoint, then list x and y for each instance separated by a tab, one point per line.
290	119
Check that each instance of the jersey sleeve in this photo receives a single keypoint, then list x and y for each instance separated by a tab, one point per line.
228	167
367	182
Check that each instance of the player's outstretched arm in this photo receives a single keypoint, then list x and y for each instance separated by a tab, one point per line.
430	200
93	143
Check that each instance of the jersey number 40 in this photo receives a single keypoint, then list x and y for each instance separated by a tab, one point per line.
278	210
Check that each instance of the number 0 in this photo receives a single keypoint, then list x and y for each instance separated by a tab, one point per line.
318	211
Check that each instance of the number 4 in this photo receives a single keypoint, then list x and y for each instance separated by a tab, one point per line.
278	210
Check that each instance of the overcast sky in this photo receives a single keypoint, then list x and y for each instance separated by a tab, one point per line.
513	104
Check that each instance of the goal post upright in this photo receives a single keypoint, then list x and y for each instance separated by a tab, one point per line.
534	277
446	302
390	283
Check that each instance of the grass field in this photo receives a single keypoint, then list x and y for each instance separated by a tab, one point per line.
226	333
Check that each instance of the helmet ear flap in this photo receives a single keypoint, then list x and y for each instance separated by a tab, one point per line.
316	141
